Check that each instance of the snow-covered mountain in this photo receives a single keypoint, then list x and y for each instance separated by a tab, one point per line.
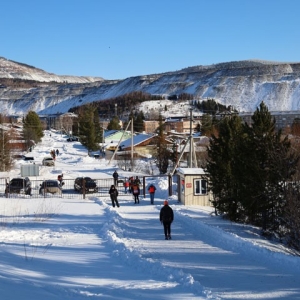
242	84
11	69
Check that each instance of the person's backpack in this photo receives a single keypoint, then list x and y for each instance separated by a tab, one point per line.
151	189
135	189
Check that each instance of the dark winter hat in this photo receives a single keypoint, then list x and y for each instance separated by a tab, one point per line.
166	202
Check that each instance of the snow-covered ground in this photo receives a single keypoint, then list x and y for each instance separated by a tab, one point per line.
59	248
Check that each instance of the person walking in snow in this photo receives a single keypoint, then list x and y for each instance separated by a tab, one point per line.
114	196
151	191
137	180
115	176
60	179
135	192
126	186
131	180
166	217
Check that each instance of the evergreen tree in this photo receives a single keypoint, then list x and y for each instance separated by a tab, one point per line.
89	129
249	168
32	128
138	122
5	151
163	154
222	154
206	125
98	128
269	165
114	124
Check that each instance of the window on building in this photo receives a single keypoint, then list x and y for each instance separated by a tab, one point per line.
200	187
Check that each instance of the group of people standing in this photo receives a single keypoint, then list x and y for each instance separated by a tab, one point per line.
132	185
54	153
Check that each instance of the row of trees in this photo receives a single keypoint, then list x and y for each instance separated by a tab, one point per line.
253	174
123	104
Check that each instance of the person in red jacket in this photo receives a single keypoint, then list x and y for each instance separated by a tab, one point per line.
126	186
151	191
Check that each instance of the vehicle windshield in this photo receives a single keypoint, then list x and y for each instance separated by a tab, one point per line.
17	182
50	183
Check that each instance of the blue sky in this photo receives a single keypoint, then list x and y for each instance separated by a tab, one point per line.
116	39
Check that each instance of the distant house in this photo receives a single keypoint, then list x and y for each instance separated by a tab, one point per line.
113	137
150	126
143	144
20	146
181	125
16	143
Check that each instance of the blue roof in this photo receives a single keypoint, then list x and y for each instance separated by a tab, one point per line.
109	132
137	139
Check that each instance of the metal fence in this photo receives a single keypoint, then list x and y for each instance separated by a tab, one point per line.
68	190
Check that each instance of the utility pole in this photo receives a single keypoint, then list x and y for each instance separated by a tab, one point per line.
131	144
191	139
3	162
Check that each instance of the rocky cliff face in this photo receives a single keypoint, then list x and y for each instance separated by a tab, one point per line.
240	84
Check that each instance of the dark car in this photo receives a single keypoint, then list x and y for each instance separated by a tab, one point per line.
29	158
18	186
50	186
72	139
85	184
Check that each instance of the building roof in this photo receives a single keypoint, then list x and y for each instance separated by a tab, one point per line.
137	139
108	133
191	171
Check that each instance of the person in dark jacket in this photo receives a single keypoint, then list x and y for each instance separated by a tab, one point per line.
135	189
115	176
114	196
166	217
137	181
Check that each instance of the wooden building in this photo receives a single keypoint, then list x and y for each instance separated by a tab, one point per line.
193	187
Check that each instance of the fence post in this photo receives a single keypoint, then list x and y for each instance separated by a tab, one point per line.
170	185
83	188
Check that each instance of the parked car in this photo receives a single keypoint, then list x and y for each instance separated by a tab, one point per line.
18	186
50	186
72	139
48	161
86	184
29	158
